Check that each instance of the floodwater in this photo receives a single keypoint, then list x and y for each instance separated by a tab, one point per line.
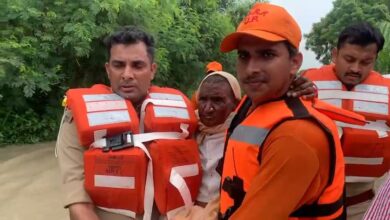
30	183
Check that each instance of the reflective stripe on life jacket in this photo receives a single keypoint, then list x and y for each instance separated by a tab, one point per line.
249	134
366	147
125	169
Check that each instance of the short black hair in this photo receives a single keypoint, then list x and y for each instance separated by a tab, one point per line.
361	34
292	51
131	35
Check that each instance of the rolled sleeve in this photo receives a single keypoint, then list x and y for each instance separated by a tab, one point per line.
71	162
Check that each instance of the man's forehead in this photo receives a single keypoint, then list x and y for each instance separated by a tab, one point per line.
124	60
135	48
368	51
129	57
369	47
246	43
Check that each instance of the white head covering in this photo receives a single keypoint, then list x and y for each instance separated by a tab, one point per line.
230	78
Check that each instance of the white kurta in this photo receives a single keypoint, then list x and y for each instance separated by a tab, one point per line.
211	151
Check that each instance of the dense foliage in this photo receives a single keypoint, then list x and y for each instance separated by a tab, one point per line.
323	36
48	46
383	62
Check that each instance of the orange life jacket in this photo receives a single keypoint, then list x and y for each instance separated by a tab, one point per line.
366	148
132	162
249	132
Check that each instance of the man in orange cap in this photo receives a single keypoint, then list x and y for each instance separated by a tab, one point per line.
283	157
213	67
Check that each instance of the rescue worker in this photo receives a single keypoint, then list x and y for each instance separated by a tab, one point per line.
350	83
128	135
283	157
219	94
213	66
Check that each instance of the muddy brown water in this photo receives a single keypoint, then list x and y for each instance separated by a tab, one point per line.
30	183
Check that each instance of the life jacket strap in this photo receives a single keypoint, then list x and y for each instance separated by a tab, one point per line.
128	139
359	198
379	126
318	210
176	178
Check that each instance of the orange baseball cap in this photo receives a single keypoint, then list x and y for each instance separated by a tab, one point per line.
213	66
268	22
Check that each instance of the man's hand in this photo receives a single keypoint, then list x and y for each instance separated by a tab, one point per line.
301	86
82	211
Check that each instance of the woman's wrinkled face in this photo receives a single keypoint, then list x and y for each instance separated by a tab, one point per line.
215	102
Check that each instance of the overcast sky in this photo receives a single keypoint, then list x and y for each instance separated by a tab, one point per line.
306	12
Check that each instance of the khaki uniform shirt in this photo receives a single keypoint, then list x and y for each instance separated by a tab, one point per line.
71	162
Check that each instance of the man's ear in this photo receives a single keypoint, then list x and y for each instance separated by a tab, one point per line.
154	70
107	66
296	63
334	55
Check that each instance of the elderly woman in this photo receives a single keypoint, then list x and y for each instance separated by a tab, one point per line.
219	94
217	97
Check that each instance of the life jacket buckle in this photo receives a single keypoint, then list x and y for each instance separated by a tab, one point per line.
119	142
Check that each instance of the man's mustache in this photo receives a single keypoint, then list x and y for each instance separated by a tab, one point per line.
256	78
353	73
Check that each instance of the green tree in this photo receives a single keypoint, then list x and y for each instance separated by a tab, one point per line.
238	9
383	62
49	46
323	36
